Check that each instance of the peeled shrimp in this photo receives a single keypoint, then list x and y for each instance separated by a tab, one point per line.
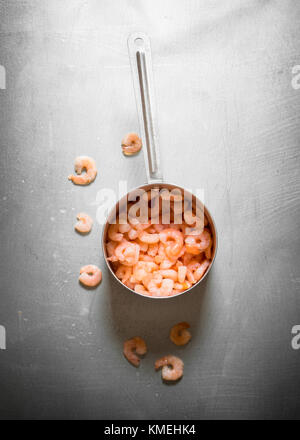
81	163
127	253
148	238
198	274
181	273
131	144
173	242
113	233
111	246
123	273
90	275
173	373
195	244
84	224
139	288
179	333
132	347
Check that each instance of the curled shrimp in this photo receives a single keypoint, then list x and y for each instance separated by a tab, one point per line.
195	244
172	367
132	348
81	163
131	144
179	333
124	273
172	240
90	275
84	224
143	268
113	233
127	253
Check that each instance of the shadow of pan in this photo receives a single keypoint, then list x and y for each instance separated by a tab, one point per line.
134	315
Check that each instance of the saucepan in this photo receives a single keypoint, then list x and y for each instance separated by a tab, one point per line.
141	65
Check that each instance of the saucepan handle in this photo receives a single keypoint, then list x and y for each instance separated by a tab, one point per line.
141	65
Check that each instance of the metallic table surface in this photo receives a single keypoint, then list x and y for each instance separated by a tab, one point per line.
228	121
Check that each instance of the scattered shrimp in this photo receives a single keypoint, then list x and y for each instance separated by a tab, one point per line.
179	333
84	224
81	163
132	348
131	144
90	275
172	367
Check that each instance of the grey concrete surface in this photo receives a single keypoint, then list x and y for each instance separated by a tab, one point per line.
228	120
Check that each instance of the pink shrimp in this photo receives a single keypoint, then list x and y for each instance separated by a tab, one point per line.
173	242
111	247
143	268
179	333
152	249
113	233
90	275
195	244
132	348
81	163
139	288
127	253
124	227
169	273
131	144
84	224
181	273
200	271
124	272
172	367
148	238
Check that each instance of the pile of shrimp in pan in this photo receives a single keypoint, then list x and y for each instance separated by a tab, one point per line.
158	259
